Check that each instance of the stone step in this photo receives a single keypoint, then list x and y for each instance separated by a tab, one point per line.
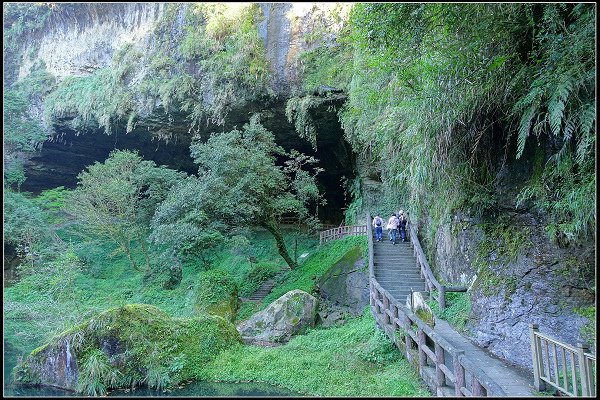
406	272
393	255
395	264
404	281
400	274
403	289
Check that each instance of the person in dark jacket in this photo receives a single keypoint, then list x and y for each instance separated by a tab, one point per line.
402	220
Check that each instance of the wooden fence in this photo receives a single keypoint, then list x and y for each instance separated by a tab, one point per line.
571	370
436	290
424	347
341	231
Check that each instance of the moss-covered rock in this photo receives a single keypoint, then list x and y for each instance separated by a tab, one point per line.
217	295
289	315
125	347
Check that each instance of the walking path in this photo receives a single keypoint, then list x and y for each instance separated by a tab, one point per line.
266	287
395	268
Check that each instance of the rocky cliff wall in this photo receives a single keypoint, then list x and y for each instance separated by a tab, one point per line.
516	274
80	38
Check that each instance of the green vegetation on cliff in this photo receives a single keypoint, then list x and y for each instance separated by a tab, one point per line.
439	92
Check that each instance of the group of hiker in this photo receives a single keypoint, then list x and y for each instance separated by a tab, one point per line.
396	224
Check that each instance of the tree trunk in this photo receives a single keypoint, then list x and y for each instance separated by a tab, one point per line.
127	250
146	256
273	228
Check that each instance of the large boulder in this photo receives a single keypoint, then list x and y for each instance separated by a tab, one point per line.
346	283
289	315
125	347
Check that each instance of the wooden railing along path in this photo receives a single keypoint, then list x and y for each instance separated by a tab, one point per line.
341	231
436	290
571	370
423	346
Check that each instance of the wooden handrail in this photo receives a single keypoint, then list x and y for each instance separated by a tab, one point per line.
568	369
394	316
430	280
342	231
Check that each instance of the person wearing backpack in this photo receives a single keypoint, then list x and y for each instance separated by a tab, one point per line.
378	224
402	220
392	227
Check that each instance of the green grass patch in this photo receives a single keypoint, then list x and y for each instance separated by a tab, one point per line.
308	273
351	360
458	308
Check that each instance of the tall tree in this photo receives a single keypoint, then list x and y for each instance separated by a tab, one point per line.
116	199
240	183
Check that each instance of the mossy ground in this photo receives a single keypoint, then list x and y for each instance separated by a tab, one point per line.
148	347
352	360
361	362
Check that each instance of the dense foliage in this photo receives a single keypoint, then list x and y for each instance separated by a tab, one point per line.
218	64
437	91
239	185
433	93
116	200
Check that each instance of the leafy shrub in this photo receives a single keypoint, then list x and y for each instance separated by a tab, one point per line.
217	294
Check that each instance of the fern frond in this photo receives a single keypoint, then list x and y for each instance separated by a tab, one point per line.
587	137
556	105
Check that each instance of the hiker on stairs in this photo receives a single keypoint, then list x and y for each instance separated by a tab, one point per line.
402	220
378	224
392	227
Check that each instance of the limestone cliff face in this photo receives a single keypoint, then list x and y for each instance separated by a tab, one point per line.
517	276
80	39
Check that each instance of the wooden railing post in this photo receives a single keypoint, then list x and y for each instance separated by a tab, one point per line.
386	306
439	360
422	354
395	317
407	338
536	356
476	387
583	367
459	373
442	298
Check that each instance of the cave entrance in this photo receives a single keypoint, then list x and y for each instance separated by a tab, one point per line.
60	160
334	153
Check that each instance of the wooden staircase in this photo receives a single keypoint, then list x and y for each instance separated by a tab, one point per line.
396	268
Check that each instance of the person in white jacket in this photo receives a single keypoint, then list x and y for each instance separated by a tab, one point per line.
392	227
